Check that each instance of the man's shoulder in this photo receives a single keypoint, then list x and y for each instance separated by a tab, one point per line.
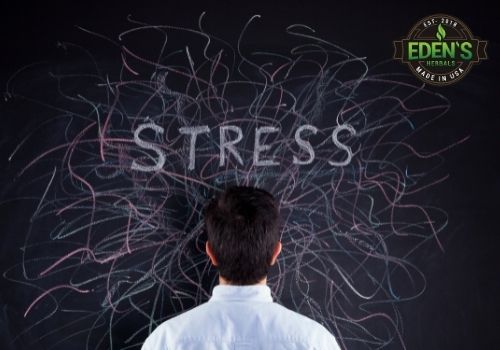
306	328
186	316
299	319
163	332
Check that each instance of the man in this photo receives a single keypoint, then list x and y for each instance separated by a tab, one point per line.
243	229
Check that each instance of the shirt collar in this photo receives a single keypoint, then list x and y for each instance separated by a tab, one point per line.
254	292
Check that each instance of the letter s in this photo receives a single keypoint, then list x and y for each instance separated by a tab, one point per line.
304	144
340	145
148	145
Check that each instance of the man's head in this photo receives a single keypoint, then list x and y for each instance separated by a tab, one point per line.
243	229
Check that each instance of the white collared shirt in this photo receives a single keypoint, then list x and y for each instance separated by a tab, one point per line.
240	318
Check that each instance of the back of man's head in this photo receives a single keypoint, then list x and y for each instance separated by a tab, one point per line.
243	228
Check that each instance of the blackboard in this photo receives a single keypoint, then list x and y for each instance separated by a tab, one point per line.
119	123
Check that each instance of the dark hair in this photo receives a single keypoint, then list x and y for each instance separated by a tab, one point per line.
243	228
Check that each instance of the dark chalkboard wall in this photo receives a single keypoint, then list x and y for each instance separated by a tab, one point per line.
389	233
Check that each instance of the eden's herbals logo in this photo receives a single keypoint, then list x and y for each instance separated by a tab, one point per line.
440	49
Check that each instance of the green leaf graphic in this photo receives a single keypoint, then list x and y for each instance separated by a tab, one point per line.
441	33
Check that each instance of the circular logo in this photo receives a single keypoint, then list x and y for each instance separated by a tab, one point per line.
440	49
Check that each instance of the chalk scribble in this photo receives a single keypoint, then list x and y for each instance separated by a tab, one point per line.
141	144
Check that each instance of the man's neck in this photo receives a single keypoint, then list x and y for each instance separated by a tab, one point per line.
222	280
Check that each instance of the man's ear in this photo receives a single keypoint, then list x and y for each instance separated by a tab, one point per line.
210	254
276	252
